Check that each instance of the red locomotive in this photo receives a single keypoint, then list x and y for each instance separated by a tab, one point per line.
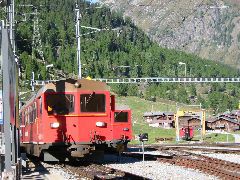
71	119
186	133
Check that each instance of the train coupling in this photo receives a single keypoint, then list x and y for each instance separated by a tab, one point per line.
80	150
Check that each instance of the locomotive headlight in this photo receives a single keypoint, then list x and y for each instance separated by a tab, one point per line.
77	84
54	125
101	124
125	129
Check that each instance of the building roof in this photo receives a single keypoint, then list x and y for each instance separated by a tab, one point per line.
153	114
160	121
169	113
227	119
158	114
235	112
211	119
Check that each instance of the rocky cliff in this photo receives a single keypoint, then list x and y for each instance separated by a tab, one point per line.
208	28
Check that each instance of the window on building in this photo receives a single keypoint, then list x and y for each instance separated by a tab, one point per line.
61	104
121	116
93	102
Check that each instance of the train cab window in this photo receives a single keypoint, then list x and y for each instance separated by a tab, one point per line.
31	114
61	104
25	116
21	119
24	119
121	116
34	111
40	101
93	102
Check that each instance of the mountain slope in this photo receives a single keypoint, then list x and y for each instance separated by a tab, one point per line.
198	26
119	50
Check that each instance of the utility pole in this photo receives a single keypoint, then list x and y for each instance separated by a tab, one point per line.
11	22
77	10
78	36
32	81
36	38
36	41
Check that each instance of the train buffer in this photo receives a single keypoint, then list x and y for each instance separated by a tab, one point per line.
25	160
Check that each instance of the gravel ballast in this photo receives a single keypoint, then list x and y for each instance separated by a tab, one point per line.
156	170
235	158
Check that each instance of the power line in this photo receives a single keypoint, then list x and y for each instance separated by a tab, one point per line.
36	40
154	80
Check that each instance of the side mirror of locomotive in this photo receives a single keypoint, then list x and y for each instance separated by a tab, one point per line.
143	137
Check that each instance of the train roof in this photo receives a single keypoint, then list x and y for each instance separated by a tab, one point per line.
69	85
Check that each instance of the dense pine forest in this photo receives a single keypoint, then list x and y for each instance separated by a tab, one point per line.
104	53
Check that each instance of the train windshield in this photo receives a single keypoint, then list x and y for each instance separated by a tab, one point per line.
61	104
93	102
121	116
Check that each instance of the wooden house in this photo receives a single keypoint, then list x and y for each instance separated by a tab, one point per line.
159	119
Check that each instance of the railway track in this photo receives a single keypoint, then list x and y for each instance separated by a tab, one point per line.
211	166
178	157
208	165
203	144
76	170
214	148
96	171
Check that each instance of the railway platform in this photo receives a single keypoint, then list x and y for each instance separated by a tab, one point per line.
2	147
41	174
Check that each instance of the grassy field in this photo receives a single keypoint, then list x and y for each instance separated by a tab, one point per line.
219	138
139	106
214	137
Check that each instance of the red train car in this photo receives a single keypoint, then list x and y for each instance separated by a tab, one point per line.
186	133
71	119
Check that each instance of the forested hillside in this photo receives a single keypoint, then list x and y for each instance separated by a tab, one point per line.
208	28
120	43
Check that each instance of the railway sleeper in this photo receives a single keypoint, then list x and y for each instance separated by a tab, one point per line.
221	164
203	166
219	161
216	164
217	172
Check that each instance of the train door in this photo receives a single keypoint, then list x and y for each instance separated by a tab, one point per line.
26	126
121	121
22	126
94	110
31	125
